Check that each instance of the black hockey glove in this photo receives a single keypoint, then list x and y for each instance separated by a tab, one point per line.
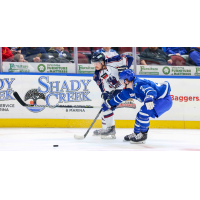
122	68
105	95
105	106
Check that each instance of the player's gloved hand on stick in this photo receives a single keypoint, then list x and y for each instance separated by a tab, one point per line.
122	68
149	102
105	95
105	106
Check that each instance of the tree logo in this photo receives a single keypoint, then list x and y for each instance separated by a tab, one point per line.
166	70
33	96
41	68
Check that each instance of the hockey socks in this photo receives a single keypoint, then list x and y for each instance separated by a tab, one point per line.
141	123
109	118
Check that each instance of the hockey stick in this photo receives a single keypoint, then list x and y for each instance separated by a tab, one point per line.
18	98
80	137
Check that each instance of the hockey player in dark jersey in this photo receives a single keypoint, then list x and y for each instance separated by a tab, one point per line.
156	98
107	78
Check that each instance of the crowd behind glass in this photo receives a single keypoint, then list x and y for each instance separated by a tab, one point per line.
175	56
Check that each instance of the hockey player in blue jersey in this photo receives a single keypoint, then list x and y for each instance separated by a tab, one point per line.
156	98
107	78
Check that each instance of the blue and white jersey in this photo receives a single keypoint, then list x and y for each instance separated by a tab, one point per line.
141	89
107	78
108	54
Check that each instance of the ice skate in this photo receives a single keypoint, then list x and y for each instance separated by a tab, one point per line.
109	133
98	132
139	138
128	137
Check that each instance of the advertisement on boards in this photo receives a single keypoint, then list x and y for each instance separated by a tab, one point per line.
52	90
38	67
168	70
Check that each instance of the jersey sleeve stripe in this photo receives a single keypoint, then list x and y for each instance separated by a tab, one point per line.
116	101
150	91
119	98
114	61
167	85
148	88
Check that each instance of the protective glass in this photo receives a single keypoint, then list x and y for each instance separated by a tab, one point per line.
85	64
38	59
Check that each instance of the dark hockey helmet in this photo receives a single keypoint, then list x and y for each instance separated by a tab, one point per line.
127	74
98	57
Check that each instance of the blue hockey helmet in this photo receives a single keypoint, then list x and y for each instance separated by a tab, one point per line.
98	57
127	74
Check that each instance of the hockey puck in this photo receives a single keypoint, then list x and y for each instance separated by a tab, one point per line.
55	145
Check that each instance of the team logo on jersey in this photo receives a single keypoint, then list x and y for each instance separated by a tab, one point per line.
33	97
135	85
112	81
143	89
132	95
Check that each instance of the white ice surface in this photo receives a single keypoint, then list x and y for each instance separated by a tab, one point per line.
43	139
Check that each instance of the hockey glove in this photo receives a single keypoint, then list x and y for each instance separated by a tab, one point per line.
105	106
149	102
105	95
122	68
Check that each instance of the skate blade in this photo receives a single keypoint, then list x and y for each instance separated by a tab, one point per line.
108	137
141	142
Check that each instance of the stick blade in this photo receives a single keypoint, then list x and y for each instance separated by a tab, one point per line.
16	95
79	137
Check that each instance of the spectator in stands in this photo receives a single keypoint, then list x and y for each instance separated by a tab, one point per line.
15	50
108	52
34	54
19	58
176	51
58	54
47	49
178	55
195	56
6	54
154	55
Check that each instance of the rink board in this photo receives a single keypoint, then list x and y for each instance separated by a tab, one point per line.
85	123
73	89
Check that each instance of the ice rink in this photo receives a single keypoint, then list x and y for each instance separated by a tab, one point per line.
43	139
